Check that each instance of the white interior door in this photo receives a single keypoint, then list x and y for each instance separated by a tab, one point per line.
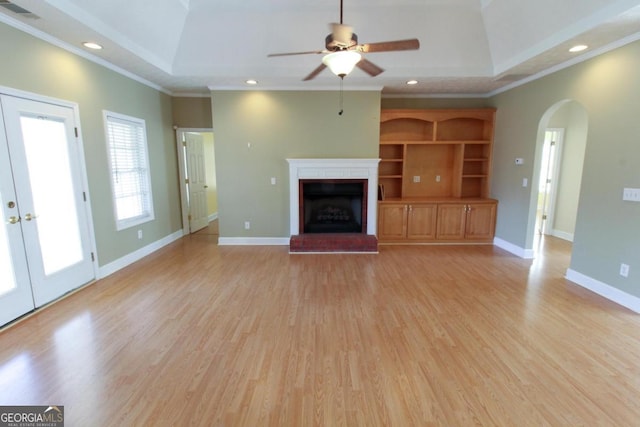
197	182
46	165
16	297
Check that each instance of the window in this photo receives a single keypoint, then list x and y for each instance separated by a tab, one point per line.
129	166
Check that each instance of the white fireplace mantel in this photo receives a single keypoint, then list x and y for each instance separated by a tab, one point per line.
333	169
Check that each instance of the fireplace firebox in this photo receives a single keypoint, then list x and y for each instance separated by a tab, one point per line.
333	205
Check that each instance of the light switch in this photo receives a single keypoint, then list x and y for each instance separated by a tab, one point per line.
525	182
416	178
519	161
631	194
273	180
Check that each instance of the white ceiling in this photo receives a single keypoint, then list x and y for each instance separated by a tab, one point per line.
468	47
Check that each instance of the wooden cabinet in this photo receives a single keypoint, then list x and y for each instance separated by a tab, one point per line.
451	224
392	221
434	173
466	221
441	222
421	223
401	221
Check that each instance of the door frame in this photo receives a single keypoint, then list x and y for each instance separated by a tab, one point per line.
4	90
547	226
183	175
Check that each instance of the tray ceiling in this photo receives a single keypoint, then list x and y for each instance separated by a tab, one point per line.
468	47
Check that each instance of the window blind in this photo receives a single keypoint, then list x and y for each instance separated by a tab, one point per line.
130	179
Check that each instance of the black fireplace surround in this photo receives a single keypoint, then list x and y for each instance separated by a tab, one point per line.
333	206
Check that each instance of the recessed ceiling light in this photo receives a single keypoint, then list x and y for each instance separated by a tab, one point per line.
92	45
578	48
251	82
412	82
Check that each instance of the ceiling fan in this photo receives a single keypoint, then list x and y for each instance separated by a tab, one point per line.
343	53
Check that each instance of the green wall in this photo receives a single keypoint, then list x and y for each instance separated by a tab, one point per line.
607	230
190	112
32	65
434	103
280	125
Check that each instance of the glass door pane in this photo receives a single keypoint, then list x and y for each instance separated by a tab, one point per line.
54	205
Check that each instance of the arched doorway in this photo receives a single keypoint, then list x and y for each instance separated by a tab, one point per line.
559	158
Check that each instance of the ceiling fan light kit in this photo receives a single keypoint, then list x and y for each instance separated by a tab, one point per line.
342	62
343	53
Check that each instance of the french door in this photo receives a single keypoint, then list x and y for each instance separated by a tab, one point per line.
45	241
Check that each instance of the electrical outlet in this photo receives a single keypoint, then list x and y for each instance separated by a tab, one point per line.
273	180
624	270
416	178
437	178
247	225
139	234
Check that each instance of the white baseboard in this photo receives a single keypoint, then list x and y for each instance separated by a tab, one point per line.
256	241
128	259
562	235
213	216
516	250
607	291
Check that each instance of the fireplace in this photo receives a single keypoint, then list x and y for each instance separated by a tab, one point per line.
357	180
333	206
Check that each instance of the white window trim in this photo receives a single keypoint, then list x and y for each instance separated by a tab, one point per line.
149	216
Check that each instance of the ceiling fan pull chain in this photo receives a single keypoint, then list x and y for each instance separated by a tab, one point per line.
341	96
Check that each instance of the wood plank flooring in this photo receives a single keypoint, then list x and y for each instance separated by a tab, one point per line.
198	334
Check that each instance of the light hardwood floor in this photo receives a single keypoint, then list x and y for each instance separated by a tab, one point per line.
198	334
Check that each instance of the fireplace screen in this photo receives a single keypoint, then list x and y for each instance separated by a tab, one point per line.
333	206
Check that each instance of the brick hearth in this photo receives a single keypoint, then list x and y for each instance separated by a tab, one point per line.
333	242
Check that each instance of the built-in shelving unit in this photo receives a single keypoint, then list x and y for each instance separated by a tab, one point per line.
435	156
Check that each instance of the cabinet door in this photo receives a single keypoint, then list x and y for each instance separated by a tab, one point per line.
421	221
451	221
392	221
481	221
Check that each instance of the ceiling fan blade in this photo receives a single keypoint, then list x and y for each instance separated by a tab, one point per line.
315	72
369	67
390	46
298	53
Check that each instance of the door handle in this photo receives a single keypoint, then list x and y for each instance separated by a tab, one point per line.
14	219
29	217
